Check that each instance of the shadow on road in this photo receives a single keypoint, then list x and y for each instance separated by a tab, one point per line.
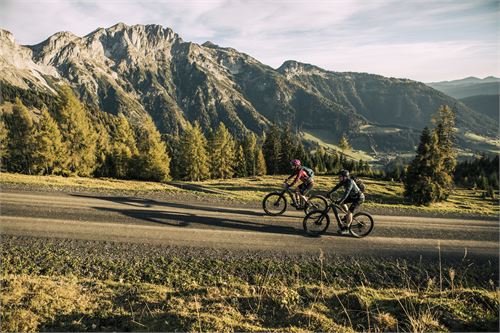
148	203
187	219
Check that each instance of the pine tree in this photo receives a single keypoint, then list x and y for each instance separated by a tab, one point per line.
241	163
288	149
78	134
344	144
48	149
104	161
446	156
222	153
272	150
260	161
249	148
153	160
193	156
124	152
20	140
4	134
420	187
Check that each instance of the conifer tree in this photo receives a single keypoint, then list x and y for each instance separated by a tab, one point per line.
78	134
249	149
446	156
124	150
272	150
48	149
420	185
344	144
193	156
222	153
4	133
103	166
241	163
260	162
20	140
153	160
288	149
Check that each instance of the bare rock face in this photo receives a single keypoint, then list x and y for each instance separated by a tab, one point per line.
149	69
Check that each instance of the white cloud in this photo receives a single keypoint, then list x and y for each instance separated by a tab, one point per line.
422	40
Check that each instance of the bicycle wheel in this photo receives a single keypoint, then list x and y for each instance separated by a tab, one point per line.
316	222
316	202
274	204
362	225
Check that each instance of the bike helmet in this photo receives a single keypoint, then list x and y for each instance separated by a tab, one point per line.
344	173
295	162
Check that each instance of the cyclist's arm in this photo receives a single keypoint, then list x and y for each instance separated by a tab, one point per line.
334	189
296	175
347	191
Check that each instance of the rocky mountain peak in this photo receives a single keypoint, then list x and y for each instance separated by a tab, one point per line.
6	37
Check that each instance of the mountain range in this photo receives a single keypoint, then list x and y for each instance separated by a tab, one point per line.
144	70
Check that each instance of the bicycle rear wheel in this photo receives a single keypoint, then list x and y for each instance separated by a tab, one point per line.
316	222
274	204
362	225
316	202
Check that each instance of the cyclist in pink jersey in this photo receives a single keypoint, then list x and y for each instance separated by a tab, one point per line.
305	175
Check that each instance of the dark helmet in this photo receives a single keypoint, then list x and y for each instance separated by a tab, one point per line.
344	173
295	162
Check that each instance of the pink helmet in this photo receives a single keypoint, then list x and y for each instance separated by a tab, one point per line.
295	162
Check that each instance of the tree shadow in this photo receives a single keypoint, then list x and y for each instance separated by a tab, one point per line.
148	203
186	219
189	219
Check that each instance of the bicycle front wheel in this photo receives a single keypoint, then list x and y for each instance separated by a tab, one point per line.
316	222
362	225
274	204
316	202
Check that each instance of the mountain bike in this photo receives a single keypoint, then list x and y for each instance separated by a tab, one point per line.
316	222
275	203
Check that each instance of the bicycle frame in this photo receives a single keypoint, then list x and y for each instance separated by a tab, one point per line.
336	208
290	193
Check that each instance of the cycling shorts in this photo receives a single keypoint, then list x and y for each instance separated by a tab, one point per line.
355	202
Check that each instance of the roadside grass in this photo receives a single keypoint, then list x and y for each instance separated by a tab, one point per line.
62	285
381	195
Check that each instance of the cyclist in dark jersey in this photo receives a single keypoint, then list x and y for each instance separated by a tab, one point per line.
352	194
305	175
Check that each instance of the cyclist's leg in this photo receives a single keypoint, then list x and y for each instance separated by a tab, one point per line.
356	203
304	190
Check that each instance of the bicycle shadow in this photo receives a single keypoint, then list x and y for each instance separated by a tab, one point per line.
186	219
192	220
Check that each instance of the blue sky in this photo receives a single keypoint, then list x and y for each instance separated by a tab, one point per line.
421	40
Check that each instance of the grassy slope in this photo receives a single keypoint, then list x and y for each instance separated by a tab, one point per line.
50	285
382	196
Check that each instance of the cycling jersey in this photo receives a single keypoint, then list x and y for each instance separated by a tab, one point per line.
351	190
303	174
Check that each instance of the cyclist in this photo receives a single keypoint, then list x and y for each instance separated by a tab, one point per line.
352	195
306	176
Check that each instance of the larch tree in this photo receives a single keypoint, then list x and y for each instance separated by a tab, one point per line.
192	154
222	153
4	134
79	136
20	139
124	150
48	149
153	159
241	163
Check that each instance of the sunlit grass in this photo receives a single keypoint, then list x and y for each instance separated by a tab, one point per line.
380	194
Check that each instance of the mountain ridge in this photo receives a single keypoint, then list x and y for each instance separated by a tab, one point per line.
150	70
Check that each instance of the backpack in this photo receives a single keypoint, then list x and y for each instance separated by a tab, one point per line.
309	172
359	182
